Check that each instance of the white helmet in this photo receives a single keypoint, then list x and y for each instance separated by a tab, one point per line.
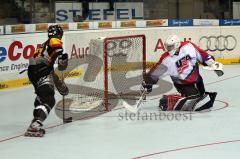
172	43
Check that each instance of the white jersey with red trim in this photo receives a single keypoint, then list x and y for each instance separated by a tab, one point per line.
183	66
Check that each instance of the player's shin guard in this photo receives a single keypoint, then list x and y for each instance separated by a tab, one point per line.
44	102
41	112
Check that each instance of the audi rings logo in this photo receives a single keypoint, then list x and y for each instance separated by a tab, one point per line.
117	48
218	43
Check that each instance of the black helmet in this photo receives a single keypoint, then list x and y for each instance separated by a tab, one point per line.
55	31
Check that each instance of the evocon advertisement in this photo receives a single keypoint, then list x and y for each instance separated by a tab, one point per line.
15	50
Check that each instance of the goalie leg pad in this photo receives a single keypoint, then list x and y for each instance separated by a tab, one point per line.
206	101
186	103
167	102
196	103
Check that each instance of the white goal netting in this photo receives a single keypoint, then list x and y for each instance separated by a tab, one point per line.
113	70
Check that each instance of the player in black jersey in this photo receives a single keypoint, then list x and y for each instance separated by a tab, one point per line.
43	78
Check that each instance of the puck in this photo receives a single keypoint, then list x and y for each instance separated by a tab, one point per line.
67	120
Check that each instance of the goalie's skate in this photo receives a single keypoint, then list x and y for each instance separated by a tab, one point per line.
35	130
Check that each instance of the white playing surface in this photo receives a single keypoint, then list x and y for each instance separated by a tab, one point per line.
112	135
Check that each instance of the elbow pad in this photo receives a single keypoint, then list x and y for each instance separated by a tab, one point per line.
62	62
59	51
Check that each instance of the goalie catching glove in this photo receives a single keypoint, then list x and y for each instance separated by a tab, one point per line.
217	67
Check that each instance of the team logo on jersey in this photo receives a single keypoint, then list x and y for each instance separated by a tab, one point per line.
182	64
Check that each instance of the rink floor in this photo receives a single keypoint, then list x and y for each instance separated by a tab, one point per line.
213	134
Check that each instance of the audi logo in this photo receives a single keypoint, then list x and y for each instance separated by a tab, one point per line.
218	43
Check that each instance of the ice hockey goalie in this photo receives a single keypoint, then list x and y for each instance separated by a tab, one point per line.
181	63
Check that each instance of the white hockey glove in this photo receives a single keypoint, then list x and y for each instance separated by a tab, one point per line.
217	67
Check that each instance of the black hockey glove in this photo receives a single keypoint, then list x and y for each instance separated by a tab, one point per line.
63	62
146	87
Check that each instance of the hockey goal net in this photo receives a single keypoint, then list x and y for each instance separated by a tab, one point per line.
112	70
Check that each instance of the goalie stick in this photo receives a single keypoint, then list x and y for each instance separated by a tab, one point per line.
135	108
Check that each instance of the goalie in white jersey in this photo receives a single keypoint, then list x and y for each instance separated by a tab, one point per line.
181	62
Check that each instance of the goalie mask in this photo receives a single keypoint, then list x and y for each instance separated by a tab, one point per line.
55	31
172	44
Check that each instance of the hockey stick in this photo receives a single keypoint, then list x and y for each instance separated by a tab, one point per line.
69	119
135	108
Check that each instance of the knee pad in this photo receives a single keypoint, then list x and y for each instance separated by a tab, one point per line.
45	89
45	95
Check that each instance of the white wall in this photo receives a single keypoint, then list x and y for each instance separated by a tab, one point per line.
154	36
